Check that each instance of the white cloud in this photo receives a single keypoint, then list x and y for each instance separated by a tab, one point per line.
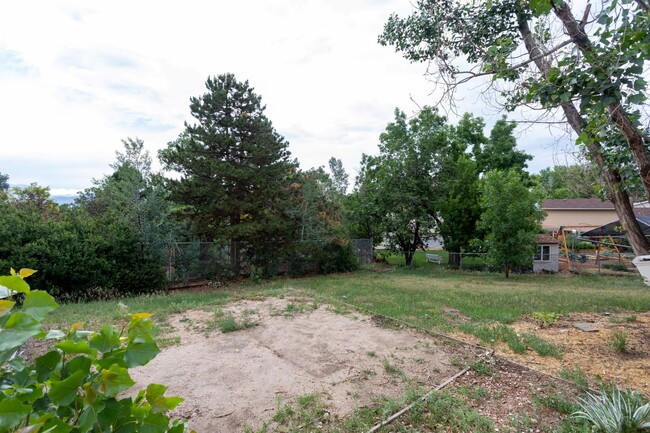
87	75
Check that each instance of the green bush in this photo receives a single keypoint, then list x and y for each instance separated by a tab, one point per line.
337	257
79	258
585	245
77	385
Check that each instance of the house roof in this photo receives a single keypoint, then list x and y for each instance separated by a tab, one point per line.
614	228
577	204
546	239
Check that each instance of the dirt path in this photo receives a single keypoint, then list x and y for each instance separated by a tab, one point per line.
238	379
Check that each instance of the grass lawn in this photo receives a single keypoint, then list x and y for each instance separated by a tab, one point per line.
417	295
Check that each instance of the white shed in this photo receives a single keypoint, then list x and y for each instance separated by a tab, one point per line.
547	255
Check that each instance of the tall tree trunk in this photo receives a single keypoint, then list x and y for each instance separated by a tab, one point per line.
454	259
619	196
618	115
506	270
235	247
408	256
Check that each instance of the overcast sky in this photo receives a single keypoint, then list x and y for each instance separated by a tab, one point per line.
77	76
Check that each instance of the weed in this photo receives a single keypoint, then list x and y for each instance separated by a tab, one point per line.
545	318
371	353
391	369
626	319
367	374
168	341
455	361
228	323
257	274
477	393
541	346
558	403
576	376
618	342
482	368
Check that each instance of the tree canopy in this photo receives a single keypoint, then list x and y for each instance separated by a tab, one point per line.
590	68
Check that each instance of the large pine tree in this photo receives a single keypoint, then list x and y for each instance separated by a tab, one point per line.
234	169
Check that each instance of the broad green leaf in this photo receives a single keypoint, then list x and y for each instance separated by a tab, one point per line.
6	306
156	398
26	272
141	331
87	419
71	347
47	364
78	363
12	413
63	392
138	354
141	316
107	339
39	304
115	380
115	357
54	334
154	423
15	283
17	330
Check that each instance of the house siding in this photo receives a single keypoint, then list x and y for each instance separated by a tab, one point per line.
589	218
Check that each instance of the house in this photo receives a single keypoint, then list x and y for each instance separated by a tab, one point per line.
575	213
547	256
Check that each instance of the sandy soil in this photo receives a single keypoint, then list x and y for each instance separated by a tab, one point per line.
237	379
591	352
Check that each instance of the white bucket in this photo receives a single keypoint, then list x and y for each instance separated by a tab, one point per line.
642	263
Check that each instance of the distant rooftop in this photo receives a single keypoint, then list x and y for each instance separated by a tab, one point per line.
577	204
546	239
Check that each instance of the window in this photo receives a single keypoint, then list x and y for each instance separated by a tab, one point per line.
543	253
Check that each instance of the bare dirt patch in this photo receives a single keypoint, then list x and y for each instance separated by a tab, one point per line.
237	379
512	396
591	352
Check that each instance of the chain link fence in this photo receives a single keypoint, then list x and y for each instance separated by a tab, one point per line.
192	261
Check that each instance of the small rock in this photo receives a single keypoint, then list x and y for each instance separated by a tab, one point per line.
585	327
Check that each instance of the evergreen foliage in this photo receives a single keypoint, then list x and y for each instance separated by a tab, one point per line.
235	169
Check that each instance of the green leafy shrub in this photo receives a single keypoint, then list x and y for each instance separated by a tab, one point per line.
615	411
78	385
337	257
79	258
585	245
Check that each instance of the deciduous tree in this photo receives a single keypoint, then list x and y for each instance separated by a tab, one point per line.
511	218
590	68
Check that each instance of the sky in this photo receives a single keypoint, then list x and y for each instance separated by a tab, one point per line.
78	76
